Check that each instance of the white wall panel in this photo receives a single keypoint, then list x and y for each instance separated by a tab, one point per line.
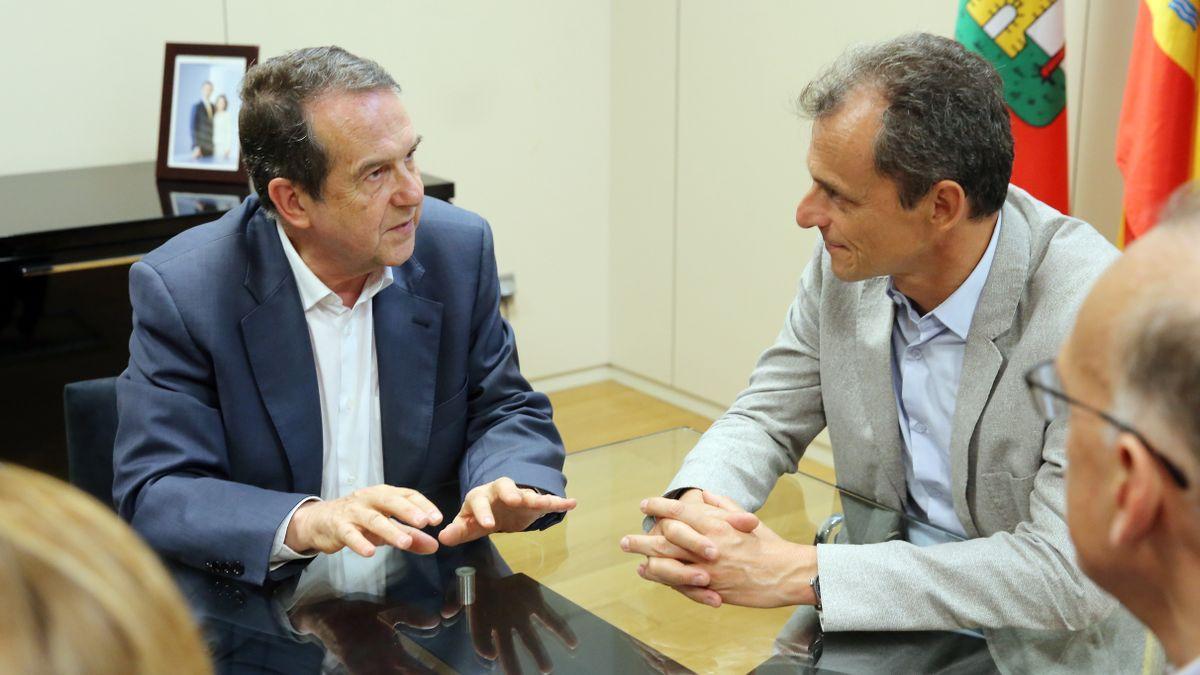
82	81
642	224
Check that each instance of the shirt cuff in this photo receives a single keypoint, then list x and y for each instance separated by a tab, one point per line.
281	553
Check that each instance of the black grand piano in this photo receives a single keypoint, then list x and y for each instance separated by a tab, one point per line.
67	239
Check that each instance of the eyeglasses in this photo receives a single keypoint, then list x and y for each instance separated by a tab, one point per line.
1046	391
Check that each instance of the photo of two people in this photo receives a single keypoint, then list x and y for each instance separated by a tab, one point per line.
204	112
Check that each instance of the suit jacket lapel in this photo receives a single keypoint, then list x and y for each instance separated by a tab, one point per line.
982	359
408	331
280	353
875	316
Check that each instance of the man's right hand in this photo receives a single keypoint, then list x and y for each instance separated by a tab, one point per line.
686	546
363	520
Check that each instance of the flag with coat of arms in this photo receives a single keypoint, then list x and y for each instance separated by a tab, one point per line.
1025	40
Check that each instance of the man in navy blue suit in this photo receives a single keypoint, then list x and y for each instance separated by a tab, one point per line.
307	371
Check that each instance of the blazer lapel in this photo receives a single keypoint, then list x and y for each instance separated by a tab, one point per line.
875	317
982	359
408	331
280	353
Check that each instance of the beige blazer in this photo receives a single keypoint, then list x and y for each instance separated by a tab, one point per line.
831	367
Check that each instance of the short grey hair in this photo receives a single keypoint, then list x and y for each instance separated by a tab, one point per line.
1158	347
1158	375
945	118
274	127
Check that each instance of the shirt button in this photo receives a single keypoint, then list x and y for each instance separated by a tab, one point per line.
915	354
349	480
346	330
920	428
345	405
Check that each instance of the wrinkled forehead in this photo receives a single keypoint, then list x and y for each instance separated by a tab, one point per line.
854	124
349	124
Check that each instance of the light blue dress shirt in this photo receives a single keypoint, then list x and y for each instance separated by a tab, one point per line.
927	357
1192	668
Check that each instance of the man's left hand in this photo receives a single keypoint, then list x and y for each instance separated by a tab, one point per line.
500	506
754	569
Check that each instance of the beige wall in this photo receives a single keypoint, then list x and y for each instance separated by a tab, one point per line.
82	81
638	159
512	98
1096	184
740	150
642	235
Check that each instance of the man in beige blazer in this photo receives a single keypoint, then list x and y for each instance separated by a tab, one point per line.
936	286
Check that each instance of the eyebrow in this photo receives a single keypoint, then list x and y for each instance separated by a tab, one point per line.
830	187
370	164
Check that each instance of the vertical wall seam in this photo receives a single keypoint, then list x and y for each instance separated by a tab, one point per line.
1073	170
675	202
225	18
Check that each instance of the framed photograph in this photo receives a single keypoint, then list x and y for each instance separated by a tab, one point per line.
193	199
197	129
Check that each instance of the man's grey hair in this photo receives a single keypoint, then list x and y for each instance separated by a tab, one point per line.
1158	347
945	117
274	127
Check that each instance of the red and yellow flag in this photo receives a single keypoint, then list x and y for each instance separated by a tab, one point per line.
1157	140
1025	40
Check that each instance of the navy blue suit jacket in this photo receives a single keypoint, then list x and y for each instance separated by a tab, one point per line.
220	421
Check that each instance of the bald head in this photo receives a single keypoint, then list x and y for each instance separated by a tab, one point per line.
1132	505
1136	342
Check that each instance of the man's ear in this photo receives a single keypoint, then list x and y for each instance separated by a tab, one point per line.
291	202
948	204
1139	492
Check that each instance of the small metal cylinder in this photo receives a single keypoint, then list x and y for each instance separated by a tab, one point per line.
466	585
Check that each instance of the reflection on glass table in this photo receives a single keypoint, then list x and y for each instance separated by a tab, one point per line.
581	560
416	622
569	600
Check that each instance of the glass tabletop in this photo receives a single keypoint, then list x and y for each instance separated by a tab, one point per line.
581	560
567	599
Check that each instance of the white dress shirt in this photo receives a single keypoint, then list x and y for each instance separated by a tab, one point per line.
927	357
343	345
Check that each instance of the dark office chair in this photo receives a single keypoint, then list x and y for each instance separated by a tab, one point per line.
91	413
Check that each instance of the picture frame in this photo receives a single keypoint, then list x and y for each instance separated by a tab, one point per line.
180	199
197	129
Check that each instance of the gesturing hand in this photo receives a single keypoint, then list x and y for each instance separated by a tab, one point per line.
381	514
500	506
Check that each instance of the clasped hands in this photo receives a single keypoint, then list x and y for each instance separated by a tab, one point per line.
396	516
711	550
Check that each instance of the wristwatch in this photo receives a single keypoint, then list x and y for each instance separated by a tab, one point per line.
815	584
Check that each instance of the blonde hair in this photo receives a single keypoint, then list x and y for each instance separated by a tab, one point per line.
79	592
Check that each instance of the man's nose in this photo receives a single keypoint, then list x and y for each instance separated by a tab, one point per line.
811	212
409	189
